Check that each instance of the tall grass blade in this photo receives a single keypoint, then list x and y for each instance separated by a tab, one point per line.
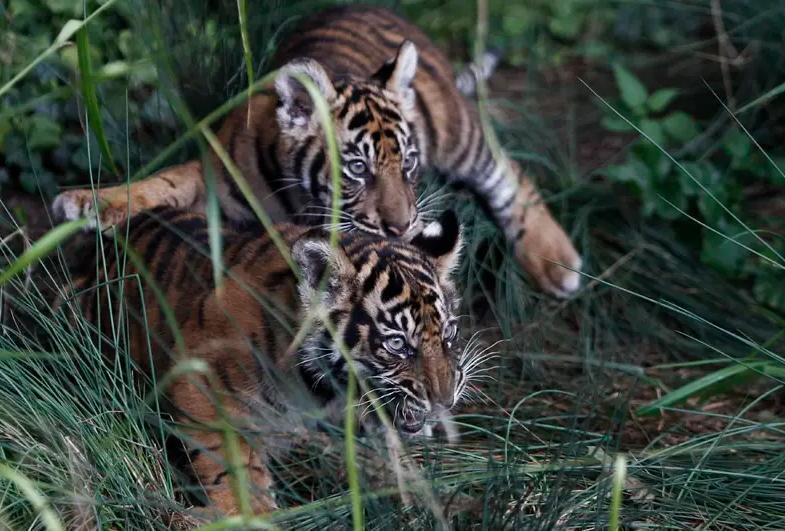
242	13
619	476
773	93
213	213
351	454
87	82
249	195
701	384
750	136
326	121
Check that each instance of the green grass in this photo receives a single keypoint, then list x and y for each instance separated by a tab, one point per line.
72	424
652	332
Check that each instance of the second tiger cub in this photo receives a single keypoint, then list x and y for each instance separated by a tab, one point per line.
390	306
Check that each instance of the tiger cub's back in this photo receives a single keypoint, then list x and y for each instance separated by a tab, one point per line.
178	306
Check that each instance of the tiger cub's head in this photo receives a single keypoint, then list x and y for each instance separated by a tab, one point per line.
380	157
393	308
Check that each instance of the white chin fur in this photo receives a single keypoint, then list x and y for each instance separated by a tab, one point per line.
432	230
443	418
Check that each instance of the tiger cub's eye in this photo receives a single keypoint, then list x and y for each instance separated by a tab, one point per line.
394	345
450	332
410	162
357	167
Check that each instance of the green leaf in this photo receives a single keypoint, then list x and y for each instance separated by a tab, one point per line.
71	8
114	69
699	170
43	133
725	194
632	171
775	175
711	210
723	254
633	93
517	20
658	165
680	126
661	99
737	144
653	130
615	124
670	190
566	27
699	386
91	99
69	28
769	288
38	181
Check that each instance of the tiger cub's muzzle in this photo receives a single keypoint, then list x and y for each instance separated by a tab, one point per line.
417	406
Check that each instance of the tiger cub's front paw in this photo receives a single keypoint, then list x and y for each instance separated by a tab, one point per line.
76	204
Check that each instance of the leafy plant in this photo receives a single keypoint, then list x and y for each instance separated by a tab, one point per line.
553	33
42	128
707	184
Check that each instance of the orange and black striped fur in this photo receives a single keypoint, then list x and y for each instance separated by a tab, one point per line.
396	107
391	304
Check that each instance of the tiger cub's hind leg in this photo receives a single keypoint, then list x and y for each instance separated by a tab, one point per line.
212	458
541	245
180	186
211	465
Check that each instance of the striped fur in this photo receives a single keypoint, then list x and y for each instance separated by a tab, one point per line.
392	305
470	77
396	107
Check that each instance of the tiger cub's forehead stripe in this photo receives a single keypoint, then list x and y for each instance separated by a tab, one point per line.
394	287
360	119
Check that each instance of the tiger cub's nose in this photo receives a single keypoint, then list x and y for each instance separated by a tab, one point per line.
395	228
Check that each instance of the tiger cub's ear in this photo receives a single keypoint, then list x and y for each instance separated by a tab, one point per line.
398	73
442	241
294	103
317	259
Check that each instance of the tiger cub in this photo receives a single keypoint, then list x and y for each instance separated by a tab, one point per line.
396	107
392	305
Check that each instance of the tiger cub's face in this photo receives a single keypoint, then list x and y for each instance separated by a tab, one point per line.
392	305
380	157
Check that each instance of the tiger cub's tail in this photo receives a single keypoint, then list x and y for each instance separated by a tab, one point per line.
482	69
